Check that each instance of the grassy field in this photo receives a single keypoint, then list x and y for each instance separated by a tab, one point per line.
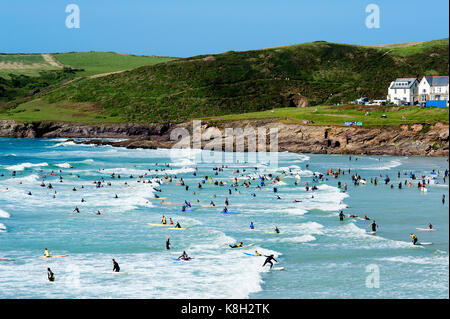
338	115
105	62
38	110
29	64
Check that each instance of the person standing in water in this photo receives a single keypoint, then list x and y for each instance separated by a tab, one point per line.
252	226
116	267
168	243
414	238
374	226
341	216
50	275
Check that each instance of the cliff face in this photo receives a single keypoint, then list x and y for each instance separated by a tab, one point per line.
414	139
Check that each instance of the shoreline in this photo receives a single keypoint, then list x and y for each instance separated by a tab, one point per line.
405	140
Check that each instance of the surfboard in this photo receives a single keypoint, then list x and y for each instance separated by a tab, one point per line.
6	260
3	231
158	225
231	213
278	268
175	228
424	244
54	256
274	232
115	272
372	232
425	229
362	218
207	206
159	197
248	254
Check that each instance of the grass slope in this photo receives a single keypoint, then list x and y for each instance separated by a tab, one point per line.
337	115
253	81
105	62
23	64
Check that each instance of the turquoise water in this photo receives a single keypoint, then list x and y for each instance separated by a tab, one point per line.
322	257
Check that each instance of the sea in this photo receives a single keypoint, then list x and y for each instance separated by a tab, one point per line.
319	256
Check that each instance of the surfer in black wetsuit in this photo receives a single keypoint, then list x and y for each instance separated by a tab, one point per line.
269	261
236	246
414	238
184	256
168	243
50	275
116	267
225	209
341	216
178	225
277	230
374	226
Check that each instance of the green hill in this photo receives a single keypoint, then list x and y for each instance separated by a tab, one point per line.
242	82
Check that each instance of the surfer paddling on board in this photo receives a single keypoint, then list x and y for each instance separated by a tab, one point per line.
237	246
269	260
184	256
430	226
414	238
116	267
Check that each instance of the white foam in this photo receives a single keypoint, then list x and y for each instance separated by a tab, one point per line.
64	165
21	167
4	214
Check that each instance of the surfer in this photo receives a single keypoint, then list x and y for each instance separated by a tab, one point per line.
269	261
170	221
341	216
252	226
236	246
225	210
50	275
116	267
184	256
168	243
257	253
414	238
163	221
430	226
178	225
277	230
46	253
76	210
374	226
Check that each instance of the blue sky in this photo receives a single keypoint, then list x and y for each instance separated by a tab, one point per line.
190	27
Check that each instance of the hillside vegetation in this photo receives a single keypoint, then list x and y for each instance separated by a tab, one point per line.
244	82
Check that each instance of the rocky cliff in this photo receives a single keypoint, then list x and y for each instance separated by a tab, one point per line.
413	139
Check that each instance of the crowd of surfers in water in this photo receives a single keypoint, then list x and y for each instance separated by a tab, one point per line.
251	178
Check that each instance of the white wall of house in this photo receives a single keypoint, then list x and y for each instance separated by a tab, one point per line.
424	90
406	94
432	92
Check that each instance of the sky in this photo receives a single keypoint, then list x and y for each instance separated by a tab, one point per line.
182	28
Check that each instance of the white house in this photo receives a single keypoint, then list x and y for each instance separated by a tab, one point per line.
434	88
403	90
